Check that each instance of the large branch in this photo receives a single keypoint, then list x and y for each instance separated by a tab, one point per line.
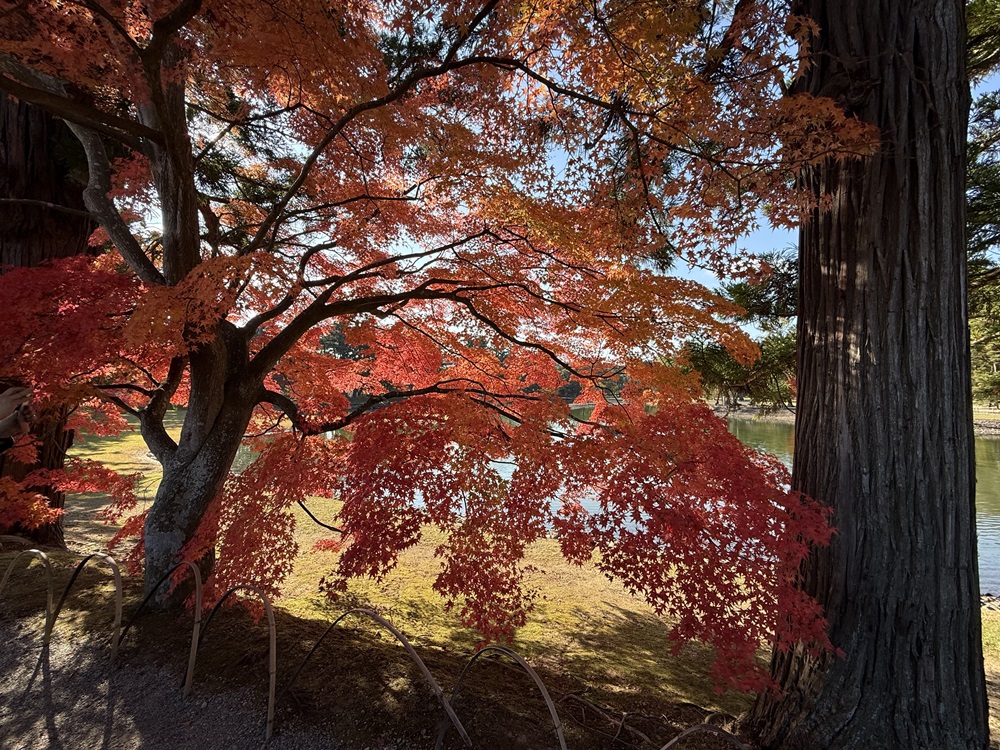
456	291
479	395
151	417
165	28
95	197
49	93
395	94
294	330
46	204
445	387
85	123
319	310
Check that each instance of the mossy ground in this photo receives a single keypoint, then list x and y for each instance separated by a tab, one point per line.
593	644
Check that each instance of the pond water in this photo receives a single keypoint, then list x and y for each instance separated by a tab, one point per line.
777	438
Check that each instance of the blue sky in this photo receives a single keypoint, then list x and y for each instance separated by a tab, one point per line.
766	239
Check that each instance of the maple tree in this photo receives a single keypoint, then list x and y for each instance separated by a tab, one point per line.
447	212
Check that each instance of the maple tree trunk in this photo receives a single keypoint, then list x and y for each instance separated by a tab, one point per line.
38	153
883	430
221	402
182	499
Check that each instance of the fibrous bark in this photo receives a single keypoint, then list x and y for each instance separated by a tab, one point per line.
883	427
39	159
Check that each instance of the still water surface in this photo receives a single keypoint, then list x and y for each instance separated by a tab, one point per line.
777	439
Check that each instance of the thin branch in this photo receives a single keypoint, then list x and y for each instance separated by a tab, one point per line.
364	272
977	282
445	347
468	304
121	404
334	132
469	30
212	143
717	56
141	369
316	520
221	118
126	387
100	10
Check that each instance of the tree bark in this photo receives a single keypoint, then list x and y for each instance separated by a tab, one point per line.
41	161
183	498
220	405
883	430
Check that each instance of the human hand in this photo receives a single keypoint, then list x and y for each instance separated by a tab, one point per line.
16	423
13	399
15	416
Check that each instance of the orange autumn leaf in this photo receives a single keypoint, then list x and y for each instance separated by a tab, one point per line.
380	250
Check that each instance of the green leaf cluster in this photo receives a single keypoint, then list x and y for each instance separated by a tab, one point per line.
767	383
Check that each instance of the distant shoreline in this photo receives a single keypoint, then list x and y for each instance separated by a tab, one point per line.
984	425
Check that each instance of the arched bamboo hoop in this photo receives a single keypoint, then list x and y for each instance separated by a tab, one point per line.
531	673
118	599
445	704
195	630
48	578
710	728
272	662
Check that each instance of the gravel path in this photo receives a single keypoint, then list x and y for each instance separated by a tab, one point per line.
76	702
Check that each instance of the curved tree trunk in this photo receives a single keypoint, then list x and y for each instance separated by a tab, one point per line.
40	158
183	498
221	402
883	430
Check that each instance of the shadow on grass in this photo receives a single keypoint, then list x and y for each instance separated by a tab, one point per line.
628	649
361	686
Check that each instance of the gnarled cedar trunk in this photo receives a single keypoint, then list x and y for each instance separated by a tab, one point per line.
38	155
883	429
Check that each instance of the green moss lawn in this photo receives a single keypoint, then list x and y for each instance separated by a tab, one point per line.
603	652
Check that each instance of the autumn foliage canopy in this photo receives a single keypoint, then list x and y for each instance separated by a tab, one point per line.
383	244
